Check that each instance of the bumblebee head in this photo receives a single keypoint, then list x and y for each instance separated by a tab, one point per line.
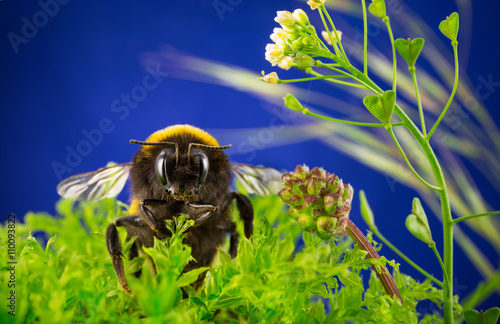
182	174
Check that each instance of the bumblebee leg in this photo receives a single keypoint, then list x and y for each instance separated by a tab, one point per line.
115	249
246	210
230	227
206	211
149	219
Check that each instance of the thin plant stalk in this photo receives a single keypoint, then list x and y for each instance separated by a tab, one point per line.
384	276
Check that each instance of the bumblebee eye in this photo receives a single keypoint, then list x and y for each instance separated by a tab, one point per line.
203	169
161	169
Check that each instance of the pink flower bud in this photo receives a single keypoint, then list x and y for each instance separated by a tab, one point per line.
306	222
284	194
301	171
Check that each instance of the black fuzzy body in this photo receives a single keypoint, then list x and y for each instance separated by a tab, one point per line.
205	238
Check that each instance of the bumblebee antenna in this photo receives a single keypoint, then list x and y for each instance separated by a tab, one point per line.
208	147
160	144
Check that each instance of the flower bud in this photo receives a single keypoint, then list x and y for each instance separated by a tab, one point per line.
301	171
284	194
314	185
331	202
326	224
286	177
300	16
294	212
292	103
297	187
306	222
295	201
311	200
285	18
303	61
318	172
325	236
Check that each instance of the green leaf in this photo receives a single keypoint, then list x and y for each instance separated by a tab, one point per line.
377	8
188	278
349	278
381	106
366	211
491	316
409	49
449	26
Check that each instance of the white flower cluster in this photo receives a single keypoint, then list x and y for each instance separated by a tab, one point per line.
293	42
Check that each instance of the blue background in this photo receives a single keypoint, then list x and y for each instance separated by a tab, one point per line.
65	79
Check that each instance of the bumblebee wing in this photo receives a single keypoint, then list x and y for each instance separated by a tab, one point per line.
103	183
258	180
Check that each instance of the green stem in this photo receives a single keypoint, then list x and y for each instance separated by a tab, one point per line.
365	39
328	31
443	195
361	86
474	216
306	111
419	102
313	78
404	257
438	256
384	276
455	86
394	61
339	42
391	132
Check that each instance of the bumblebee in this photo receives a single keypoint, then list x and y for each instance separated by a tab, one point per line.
178	170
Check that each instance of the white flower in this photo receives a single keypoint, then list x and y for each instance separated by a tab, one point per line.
286	63
315	4
279	36
285	18
274	53
332	37
270	78
301	16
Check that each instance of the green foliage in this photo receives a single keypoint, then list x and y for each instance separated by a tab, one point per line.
381	106
71	279
491	316
409	49
377	8
449	27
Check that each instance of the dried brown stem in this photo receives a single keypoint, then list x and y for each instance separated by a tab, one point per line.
384	276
